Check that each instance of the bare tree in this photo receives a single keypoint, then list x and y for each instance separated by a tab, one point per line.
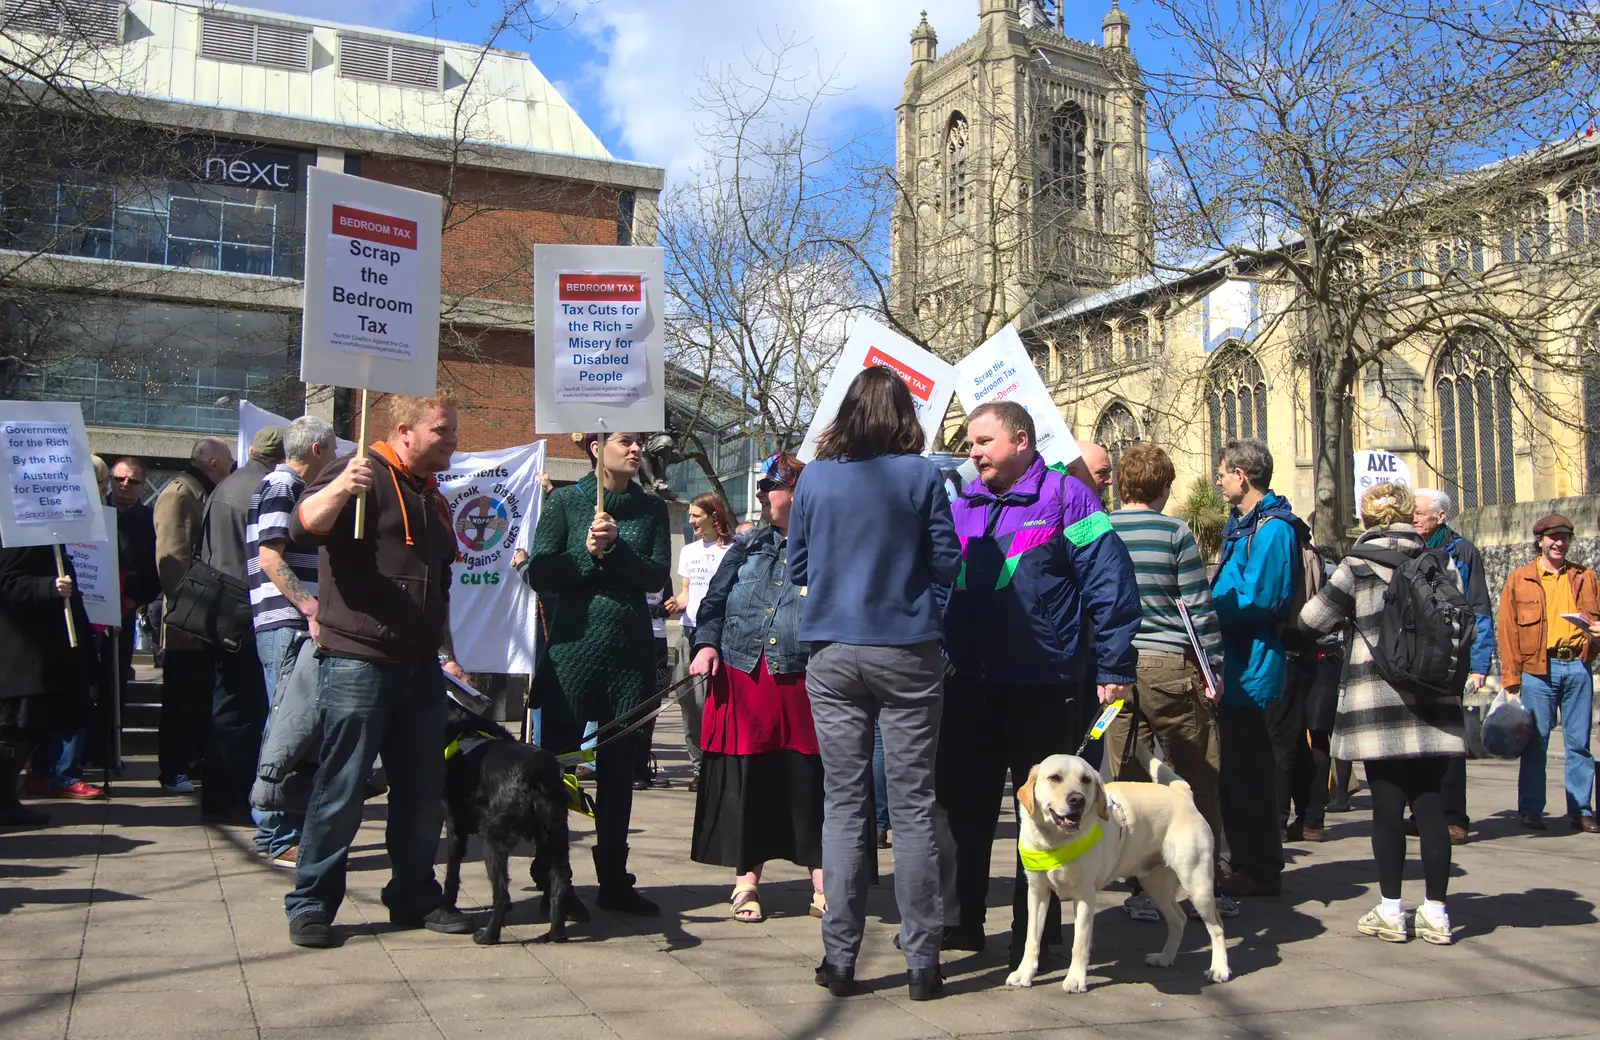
1358	166
773	240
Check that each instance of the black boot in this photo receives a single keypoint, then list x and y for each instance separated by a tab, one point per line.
13	814
617	893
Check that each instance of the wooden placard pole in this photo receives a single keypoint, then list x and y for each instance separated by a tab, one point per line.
361	453
61	572
600	474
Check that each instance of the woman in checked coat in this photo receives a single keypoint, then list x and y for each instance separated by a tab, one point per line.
1404	741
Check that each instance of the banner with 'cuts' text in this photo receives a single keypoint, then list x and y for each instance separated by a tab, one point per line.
494	499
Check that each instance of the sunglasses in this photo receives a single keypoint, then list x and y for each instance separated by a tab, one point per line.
768	484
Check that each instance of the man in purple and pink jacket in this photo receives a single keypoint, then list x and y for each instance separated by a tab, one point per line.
1039	628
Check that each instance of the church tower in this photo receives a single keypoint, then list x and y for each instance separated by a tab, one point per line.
1020	157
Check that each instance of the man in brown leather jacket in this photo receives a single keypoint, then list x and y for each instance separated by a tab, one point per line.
1544	659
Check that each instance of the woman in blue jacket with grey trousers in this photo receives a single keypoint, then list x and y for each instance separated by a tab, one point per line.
870	540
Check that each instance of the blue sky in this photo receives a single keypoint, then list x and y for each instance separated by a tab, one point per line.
629	66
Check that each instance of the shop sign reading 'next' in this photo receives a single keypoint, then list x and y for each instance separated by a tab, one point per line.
248	173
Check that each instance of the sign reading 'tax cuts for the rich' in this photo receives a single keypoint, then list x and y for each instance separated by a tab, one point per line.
597	343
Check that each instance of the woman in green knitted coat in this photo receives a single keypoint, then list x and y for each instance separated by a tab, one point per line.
601	659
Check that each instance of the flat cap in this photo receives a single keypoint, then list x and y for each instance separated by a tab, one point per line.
1553	522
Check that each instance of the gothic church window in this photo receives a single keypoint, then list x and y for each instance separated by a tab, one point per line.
1116	430
1135	339
1582	205
958	148
1100	354
1473	389
1236	397
1065	168
1526	235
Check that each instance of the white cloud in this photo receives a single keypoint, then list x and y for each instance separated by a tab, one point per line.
654	50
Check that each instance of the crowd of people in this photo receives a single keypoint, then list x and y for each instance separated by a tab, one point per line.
877	658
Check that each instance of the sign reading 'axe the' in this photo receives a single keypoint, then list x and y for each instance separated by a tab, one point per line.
601	323
374	279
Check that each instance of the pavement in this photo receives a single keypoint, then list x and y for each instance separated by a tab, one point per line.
130	918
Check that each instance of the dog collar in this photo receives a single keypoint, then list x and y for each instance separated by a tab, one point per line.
467	744
1049	859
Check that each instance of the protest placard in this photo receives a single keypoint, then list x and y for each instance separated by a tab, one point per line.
371	319
51	496
98	578
930	380
1374	466
1001	370
598	348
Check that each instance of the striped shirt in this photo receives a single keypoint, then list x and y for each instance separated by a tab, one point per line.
268	521
1167	566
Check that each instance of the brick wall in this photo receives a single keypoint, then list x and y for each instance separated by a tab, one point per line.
492	222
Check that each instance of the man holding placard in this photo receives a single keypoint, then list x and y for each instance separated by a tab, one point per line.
383	628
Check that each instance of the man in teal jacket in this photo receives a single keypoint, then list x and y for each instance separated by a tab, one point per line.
1254	591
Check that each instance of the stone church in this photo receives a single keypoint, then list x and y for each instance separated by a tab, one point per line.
1024	198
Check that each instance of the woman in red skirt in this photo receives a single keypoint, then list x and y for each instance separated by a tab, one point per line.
760	794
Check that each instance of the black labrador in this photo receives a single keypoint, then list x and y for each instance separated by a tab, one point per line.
505	791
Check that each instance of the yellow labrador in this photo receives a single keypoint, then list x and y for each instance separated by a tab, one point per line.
1078	832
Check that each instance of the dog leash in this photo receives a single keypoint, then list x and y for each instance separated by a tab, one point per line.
1097	729
651	706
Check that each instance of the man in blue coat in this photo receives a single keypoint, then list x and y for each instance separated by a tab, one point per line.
1256	589
1429	520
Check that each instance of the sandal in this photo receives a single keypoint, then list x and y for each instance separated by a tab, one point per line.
819	904
746	907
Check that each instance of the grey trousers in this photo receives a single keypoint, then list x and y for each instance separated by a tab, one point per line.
691	700
903	687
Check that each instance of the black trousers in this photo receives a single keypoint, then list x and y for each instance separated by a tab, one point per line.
238	715
1454	792
1396	782
986	732
1302	792
1250	794
615	764
187	680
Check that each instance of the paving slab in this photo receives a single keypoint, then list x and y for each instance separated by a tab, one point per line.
131	918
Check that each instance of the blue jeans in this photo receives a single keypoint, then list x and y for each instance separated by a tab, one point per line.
276	832
1567	691
364	707
60	756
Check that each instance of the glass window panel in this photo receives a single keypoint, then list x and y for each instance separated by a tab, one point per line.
248	225
192	218
1445	392
246	259
139	237
1468	444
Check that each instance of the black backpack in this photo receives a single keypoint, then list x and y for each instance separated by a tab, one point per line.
1426	632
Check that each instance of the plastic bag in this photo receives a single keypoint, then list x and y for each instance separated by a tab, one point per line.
1508	727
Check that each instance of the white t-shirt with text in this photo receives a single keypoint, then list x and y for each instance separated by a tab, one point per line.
696	564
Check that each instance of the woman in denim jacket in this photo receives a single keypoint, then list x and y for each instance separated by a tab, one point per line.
760	793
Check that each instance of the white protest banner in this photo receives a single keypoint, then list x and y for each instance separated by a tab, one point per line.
494	499
930	380
253	419
1001	370
1375	466
99	581
371	317
51	496
597	347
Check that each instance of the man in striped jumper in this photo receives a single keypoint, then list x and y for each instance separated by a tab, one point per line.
283	586
1173	702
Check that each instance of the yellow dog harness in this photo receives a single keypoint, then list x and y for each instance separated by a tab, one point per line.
1049	859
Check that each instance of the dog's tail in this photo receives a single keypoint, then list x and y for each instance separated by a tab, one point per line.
1161	773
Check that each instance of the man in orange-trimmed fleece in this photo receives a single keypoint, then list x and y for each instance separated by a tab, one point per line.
383	629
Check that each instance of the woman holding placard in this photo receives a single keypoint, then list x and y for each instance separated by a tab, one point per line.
44	680
601	658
